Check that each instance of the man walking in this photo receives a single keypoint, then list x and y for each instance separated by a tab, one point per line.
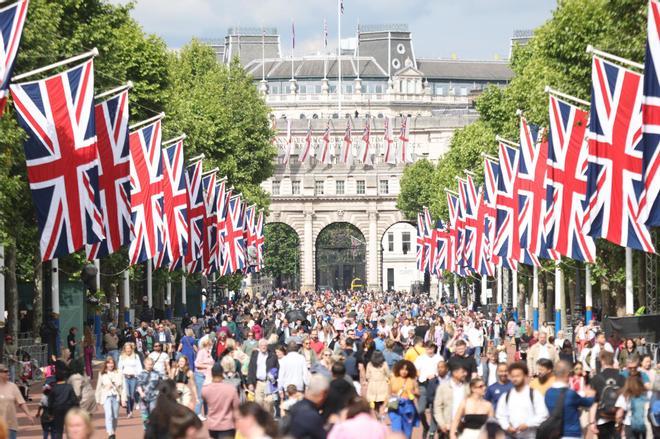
521	410
541	349
572	401
262	360
607	385
499	387
448	397
293	370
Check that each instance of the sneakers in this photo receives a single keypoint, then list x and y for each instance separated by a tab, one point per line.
129	416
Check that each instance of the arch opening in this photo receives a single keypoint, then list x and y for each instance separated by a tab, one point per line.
282	255
340	257
398	258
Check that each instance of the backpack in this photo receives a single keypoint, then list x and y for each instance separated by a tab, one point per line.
637	421
553	426
607	404
654	410
531	397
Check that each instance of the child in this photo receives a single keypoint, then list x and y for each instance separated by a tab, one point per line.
45	415
293	396
26	376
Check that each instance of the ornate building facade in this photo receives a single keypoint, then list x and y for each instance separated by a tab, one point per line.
380	77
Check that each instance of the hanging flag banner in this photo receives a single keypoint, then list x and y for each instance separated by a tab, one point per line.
61	154
12	21
196	214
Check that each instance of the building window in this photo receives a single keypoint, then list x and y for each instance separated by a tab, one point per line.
295	187
405	242
390	242
384	187
276	187
339	186
318	187
360	187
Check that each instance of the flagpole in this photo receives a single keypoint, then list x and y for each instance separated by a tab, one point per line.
325	49
535	298
559	293
499	289
357	60
263	54
90	54
591	49
514	283
146	121
339	56
588	299
293	45
116	90
174	140
630	307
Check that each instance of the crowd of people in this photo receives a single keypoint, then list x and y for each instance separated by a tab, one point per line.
356	364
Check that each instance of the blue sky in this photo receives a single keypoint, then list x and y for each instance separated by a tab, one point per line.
470	29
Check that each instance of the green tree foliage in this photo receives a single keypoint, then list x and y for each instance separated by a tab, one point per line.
220	109
416	188
281	252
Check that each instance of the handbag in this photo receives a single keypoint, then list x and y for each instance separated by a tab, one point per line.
393	402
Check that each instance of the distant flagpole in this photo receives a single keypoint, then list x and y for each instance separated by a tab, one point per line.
263	53
293	44
357	60
340	11
325	49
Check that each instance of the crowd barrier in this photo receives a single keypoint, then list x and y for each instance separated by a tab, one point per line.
38	353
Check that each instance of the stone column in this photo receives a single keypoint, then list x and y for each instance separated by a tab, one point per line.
372	252
307	267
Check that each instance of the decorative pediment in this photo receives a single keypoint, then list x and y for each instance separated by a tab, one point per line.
409	72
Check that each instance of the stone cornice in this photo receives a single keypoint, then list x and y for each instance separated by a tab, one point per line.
325	198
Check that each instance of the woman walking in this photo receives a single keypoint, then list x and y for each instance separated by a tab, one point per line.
109	393
473	412
377	376
403	390
88	349
203	364
188	347
130	367
185	383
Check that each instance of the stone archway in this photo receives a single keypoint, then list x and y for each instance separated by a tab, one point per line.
341	251
282	254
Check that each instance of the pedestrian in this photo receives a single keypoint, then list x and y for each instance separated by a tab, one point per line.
10	398
472	413
631	407
203	364
222	402
111	343
305	418
544	376
292	370
61	398
521	410
129	367
78	424
461	358
262	361
358	423
543	349
161	360
110	394
169	419
499	387
427	367
10	354
377	376
185	383
607	384
71	341
147	388
188	347
448	396
89	346
254	422
572	401
403	392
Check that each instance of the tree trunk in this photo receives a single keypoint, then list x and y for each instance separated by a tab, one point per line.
38	291
550	297
640	259
571	297
543	288
12	290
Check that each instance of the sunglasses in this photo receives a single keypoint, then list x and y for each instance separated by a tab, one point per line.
4	371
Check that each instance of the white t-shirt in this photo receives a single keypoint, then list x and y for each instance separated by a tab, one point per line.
624	403
160	360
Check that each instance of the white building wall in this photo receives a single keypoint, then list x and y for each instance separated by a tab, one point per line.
403	265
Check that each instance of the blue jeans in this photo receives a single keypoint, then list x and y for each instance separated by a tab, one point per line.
130	383
114	354
477	354
47	430
199	382
13	434
111	409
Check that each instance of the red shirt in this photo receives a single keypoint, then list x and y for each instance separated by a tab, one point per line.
221	347
317	346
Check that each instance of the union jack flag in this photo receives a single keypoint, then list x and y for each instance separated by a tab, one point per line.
429	245
347	146
491	178
468	199
196	214
405	155
259	240
62	158
421	243
308	144
222	198
210	249
146	193
531	185
233	254
114	175
651	119
457	230
326	154
175	200
12	20
567	181
365	155
248	233
443	251
388	136
507	241
614	173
